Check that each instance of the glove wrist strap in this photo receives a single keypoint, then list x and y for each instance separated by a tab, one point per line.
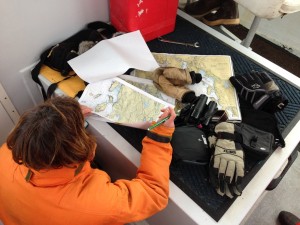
268	97
236	137
261	101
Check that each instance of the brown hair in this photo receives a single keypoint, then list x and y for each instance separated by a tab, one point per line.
51	135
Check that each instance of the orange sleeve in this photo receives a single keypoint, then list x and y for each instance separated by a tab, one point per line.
148	193
89	197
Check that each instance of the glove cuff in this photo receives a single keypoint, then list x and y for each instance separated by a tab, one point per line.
261	101
271	102
158	138
188	97
196	77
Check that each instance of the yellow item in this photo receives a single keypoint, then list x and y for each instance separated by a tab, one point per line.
70	86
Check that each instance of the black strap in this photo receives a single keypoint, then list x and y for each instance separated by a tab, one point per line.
99	24
158	138
236	137
53	86
79	93
36	71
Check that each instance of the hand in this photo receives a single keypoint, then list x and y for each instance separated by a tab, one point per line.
169	111
85	110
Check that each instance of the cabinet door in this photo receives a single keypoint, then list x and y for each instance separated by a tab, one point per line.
8	115
6	124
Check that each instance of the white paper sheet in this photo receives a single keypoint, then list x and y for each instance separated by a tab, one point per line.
113	57
148	86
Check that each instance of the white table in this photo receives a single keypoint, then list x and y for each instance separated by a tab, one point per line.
120	159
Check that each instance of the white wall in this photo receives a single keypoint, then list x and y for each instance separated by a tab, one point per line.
283	31
29	27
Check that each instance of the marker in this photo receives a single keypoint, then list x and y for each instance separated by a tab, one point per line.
159	123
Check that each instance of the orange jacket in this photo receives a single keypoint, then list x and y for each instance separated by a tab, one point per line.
58	197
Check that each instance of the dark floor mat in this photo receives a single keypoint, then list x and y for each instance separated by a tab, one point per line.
209	45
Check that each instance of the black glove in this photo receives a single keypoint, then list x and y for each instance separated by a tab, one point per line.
258	89
226	168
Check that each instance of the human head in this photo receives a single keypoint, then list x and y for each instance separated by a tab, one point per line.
51	135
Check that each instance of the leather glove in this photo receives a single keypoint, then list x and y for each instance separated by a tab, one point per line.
172	82
258	89
226	168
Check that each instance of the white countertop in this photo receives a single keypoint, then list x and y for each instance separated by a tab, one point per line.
120	159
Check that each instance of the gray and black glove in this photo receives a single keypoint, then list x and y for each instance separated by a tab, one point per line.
226	168
258	89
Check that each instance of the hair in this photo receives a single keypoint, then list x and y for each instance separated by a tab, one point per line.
51	135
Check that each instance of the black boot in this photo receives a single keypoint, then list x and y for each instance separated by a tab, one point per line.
227	14
287	218
202	7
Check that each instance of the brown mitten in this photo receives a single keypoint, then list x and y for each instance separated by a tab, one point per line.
170	89
179	77
172	82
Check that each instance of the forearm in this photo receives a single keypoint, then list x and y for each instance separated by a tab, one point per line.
148	193
154	169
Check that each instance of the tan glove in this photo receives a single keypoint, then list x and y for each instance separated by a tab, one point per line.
170	89
176	76
172	81
226	168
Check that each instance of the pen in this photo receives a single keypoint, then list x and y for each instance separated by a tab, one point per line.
159	123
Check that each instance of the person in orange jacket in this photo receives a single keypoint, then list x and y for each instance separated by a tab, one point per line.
46	177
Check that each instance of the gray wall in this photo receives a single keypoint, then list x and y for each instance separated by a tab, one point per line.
29	27
281	31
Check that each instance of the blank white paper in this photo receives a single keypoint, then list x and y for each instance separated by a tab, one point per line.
113	57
